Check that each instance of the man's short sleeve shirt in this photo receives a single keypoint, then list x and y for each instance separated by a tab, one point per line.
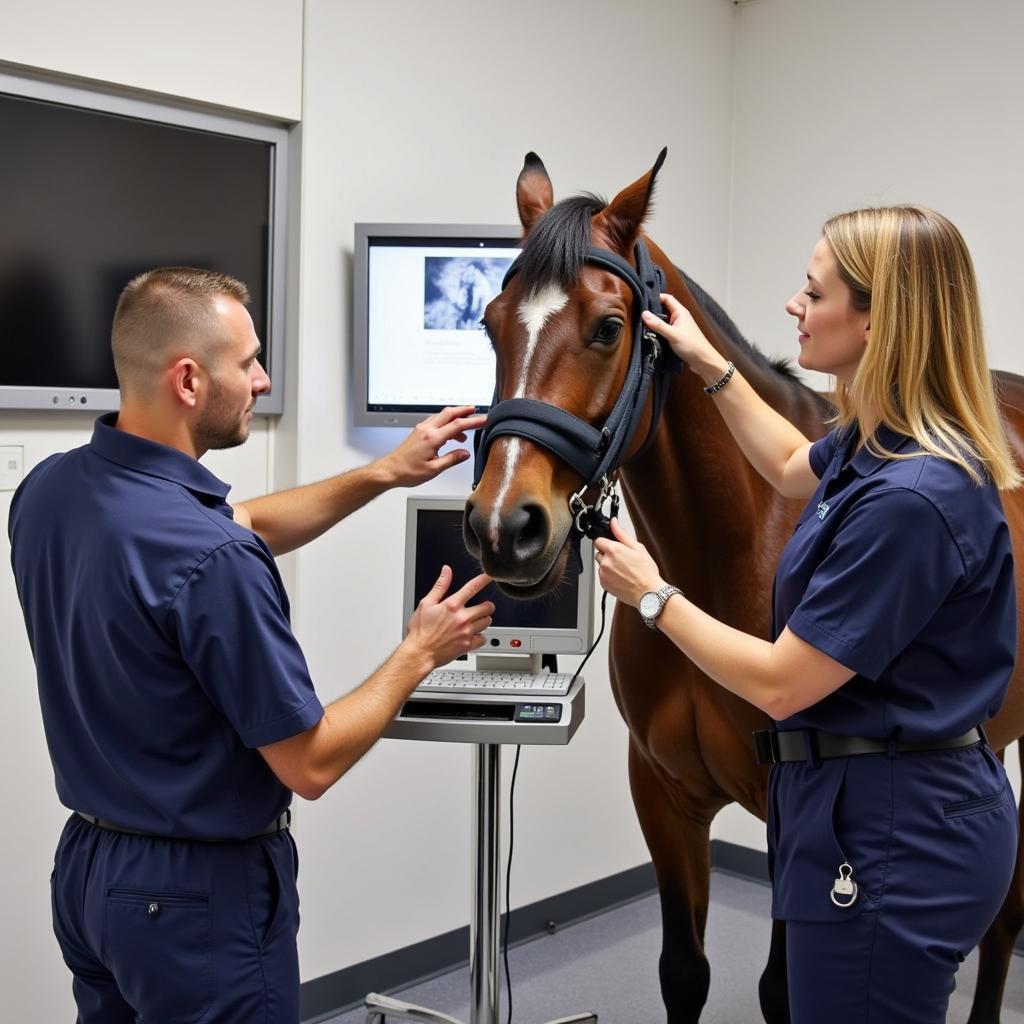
160	630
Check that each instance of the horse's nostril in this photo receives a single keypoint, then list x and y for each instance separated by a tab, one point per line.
529	528
474	525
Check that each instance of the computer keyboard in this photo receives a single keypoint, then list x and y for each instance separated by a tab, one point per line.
446	680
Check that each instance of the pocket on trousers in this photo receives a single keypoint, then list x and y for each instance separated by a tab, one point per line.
267	894
978	805
158	947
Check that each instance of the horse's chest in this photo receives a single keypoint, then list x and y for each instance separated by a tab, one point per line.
665	709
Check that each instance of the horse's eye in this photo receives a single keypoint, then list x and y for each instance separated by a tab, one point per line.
608	332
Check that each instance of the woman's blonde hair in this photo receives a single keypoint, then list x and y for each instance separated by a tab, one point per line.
924	372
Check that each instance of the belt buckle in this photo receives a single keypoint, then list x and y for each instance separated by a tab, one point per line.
766	746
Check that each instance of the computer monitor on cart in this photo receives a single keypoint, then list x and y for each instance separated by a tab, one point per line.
561	622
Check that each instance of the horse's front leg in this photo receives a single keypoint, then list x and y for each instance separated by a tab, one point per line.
996	947
676	830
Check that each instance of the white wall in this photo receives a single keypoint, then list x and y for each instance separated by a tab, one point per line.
248	55
841	105
244	54
424	113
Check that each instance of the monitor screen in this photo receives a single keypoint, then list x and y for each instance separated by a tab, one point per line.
92	197
420	293
558	623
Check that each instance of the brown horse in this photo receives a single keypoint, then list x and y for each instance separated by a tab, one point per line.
561	334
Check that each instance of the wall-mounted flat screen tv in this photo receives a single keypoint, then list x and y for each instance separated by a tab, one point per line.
97	188
419	293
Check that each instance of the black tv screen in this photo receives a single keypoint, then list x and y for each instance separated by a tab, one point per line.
89	199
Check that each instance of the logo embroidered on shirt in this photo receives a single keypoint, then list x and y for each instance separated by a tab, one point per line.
822	509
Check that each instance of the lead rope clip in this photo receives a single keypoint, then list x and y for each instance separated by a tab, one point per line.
844	886
591	520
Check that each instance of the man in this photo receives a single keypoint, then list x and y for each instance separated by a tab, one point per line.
178	709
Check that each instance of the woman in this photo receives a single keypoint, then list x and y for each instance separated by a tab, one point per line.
891	827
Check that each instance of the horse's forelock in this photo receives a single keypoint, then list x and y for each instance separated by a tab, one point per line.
554	250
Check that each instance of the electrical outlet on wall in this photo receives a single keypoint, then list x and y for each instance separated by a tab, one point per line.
12	466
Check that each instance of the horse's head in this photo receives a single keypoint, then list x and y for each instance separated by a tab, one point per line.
563	333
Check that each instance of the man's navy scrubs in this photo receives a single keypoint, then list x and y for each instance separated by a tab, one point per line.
901	570
164	657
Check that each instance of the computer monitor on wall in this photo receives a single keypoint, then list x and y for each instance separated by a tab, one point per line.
558	623
419	291
97	187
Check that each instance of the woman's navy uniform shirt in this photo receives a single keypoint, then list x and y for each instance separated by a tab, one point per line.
161	637
902	570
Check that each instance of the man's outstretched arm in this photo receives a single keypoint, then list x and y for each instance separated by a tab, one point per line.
291	518
443	627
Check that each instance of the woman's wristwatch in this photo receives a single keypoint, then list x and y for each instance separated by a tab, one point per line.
652	603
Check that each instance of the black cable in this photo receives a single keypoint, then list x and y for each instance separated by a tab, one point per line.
600	633
511	823
508	879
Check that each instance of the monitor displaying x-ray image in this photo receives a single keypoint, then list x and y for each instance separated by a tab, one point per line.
420	292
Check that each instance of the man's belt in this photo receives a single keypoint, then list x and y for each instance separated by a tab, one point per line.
774	746
279	824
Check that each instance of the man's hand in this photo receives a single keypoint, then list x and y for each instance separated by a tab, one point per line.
625	567
443	627
416	459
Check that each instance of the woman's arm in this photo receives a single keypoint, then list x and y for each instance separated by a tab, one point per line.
772	445
780	678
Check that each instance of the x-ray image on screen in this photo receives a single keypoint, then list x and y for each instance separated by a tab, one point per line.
456	290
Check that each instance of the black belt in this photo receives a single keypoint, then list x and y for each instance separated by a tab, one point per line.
279	824
773	746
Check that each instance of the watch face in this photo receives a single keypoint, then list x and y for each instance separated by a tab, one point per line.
650	605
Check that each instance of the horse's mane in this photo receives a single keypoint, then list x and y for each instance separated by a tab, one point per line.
727	327
554	252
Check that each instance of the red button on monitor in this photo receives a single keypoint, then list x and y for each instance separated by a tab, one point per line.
515	643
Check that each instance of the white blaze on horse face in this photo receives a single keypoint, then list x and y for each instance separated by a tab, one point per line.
533	314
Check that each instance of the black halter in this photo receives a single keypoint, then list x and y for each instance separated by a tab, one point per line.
595	452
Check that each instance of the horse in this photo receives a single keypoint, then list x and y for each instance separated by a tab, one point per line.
561	333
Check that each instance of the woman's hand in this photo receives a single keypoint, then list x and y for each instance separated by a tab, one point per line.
686	339
624	567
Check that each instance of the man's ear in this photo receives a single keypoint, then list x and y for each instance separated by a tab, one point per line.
187	381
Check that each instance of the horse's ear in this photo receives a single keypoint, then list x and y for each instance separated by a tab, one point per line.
623	217
534	194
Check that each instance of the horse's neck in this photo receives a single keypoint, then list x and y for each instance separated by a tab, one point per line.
711	523
696	501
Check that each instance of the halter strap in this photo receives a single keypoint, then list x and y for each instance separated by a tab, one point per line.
594	452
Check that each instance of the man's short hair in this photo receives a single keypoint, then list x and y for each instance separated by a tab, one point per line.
163	310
